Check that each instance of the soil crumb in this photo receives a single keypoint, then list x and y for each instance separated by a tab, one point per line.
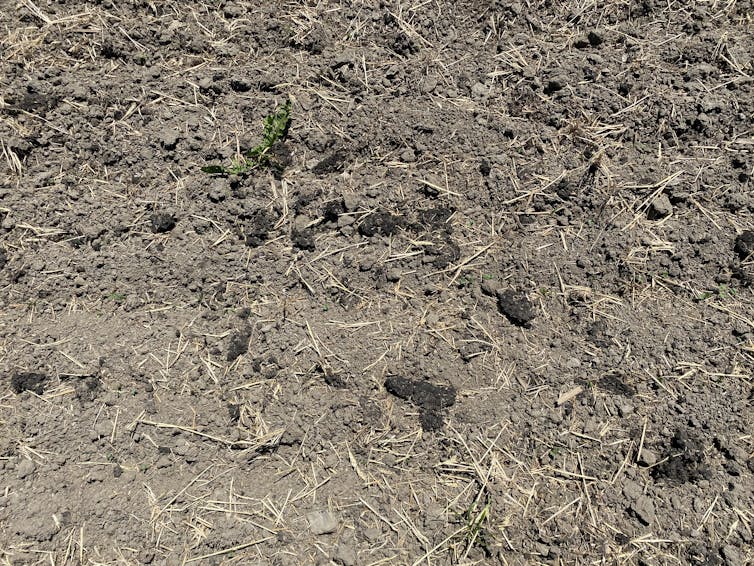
516	307
685	461
28	382
162	222
429	398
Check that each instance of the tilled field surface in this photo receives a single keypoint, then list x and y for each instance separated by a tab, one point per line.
484	297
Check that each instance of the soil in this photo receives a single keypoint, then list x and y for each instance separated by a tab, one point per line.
489	301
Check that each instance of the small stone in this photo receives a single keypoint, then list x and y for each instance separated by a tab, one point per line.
660	207
322	522
478	90
489	287
644	509
25	468
345	555
731	555
647	457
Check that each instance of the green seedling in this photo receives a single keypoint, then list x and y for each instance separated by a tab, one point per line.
275	129
722	292
474	532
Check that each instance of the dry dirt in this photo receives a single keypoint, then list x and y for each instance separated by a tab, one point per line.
490	303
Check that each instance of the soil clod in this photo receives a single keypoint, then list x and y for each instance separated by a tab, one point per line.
660	207
429	398
303	239
383	223
28	381
238	344
257	226
744	245
333	163
516	307
162	222
684	460
322	522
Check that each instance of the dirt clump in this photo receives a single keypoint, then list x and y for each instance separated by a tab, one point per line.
516	306
684	460
28	381
429	398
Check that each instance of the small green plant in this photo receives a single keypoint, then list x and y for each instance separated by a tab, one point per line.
275	129
722	292
474	532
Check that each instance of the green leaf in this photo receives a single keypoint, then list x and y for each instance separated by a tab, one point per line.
213	169
275	128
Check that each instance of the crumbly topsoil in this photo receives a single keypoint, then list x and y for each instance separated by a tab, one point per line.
489	301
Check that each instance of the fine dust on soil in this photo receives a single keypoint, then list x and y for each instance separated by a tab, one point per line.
489	302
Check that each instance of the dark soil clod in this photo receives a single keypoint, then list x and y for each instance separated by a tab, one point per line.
238	345
331	164
684	461
382	223
28	381
516	307
333	210
444	252
436	218
257	226
615	385
303	239
162	222
744	245
429	398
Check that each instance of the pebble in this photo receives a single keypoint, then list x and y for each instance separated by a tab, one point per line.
489	287
647	457
644	508
731	555
25	468
660	207
345	555
322	522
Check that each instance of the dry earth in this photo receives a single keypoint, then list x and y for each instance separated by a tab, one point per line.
490	302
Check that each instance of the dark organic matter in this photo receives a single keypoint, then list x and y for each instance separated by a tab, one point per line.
28	381
744	245
684	460
516	307
429	398
162	222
